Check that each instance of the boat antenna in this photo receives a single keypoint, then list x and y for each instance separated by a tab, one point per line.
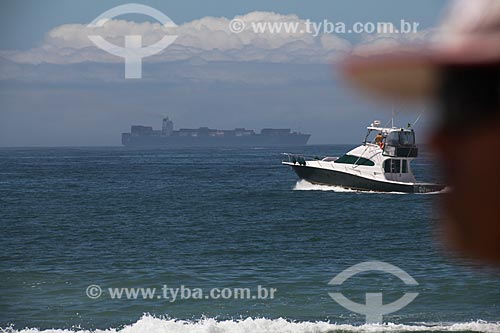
418	118
392	117
394	113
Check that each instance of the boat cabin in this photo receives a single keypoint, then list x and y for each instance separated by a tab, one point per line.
394	142
398	149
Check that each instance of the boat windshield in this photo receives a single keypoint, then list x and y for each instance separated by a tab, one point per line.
404	138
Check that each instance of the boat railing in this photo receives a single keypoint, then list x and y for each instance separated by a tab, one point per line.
301	159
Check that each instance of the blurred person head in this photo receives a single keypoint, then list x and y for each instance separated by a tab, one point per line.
460	72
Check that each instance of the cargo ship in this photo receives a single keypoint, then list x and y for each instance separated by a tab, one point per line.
147	136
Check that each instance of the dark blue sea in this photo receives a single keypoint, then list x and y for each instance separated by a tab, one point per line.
218	218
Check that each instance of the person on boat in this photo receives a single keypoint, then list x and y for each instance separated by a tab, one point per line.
379	140
460	72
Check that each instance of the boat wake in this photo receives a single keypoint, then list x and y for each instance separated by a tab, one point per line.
304	185
153	324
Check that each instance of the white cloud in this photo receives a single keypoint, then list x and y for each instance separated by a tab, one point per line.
208	38
373	43
194	56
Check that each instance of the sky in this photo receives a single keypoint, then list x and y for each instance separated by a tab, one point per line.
58	89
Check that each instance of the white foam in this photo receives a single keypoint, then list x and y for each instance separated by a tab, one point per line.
152	324
303	185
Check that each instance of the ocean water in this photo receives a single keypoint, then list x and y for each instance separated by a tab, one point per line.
218	218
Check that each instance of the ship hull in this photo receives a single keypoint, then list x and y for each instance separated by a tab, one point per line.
346	180
254	140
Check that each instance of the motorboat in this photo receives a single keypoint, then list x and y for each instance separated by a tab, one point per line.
381	164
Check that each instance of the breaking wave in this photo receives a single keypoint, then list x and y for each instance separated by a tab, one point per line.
151	324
